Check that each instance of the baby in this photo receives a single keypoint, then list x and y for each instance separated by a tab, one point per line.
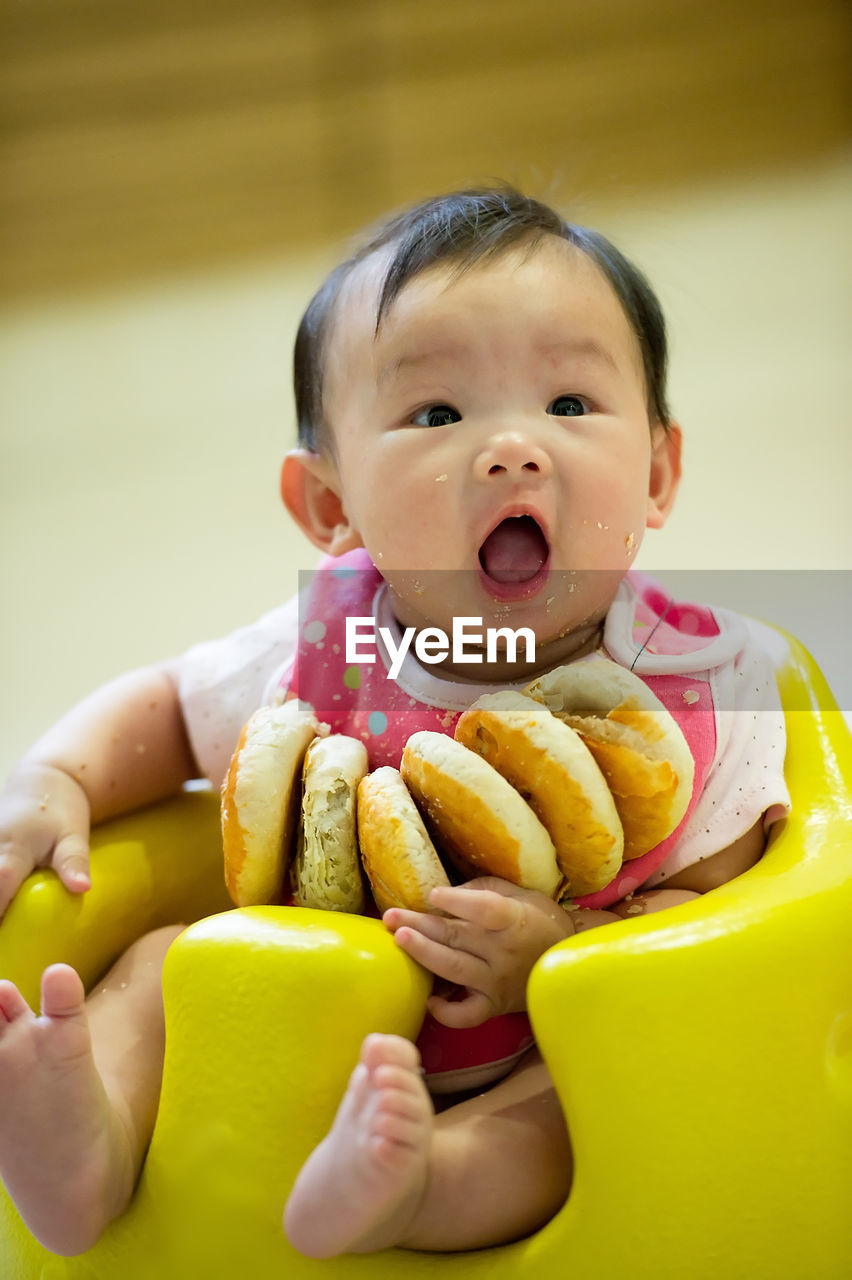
484	435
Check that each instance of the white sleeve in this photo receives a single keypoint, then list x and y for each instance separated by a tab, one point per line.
746	779
221	682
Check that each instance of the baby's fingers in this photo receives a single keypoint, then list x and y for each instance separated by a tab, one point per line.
457	935
472	1011
71	862
16	863
459	967
398	917
479	906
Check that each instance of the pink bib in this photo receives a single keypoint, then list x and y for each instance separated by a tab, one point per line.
358	699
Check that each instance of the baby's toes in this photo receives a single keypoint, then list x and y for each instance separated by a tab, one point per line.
12	1004
388	1050
62	992
401	1092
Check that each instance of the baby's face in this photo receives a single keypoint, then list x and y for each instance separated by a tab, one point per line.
493	446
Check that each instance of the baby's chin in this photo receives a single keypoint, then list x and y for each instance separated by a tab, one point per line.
558	602
557	632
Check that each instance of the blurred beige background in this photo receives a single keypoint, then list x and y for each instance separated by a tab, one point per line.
176	178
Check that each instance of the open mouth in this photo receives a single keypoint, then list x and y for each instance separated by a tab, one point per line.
515	552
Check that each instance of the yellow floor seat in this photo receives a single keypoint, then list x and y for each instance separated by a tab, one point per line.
703	1056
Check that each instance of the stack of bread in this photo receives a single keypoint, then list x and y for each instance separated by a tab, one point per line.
551	789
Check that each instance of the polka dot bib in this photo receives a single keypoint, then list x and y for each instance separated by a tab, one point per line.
644	628
662	640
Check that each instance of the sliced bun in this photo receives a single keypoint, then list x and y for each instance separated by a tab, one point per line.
638	745
477	815
548	763
399	857
261	797
326	871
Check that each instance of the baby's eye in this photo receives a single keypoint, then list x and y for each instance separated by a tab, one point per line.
567	407
436	415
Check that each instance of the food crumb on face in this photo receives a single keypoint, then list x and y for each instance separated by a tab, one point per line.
629	542
440	479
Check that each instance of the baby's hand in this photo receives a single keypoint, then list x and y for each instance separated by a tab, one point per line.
486	939
44	822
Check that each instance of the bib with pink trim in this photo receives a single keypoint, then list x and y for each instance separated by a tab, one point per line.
358	699
354	698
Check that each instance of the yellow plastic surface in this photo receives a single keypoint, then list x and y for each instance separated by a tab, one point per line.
703	1056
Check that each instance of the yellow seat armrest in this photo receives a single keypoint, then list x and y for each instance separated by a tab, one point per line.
161	865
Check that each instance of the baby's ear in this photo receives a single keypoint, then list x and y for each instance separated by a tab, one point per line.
311	491
665	473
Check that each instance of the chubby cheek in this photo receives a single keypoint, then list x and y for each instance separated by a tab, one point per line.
407	519
607	524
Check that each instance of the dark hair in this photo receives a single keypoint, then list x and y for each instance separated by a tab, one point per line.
464	227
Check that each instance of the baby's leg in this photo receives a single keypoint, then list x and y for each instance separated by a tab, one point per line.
80	1086
489	1170
501	1165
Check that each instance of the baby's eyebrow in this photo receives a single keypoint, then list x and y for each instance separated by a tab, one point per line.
457	353
444	352
584	348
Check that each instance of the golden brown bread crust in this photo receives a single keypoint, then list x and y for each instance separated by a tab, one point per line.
233	844
398	855
261	798
547	762
636	742
477	815
644	790
536	798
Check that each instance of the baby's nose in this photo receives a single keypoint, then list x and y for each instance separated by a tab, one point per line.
512	454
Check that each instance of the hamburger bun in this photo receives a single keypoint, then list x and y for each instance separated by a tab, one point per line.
636	742
261	796
399	857
326	871
547	762
477	815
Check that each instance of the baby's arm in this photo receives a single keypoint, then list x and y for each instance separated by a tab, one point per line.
122	747
490	933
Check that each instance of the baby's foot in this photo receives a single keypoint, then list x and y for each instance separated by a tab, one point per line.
361	1187
64	1154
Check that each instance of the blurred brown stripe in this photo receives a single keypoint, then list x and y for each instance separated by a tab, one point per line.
142	138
